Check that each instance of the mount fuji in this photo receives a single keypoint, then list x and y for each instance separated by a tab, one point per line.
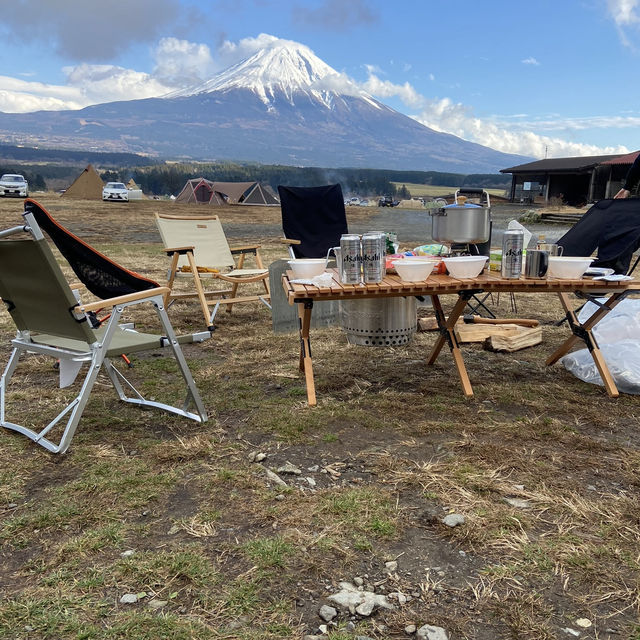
283	105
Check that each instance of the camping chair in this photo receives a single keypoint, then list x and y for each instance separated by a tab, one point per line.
50	321
610	226
313	219
198	249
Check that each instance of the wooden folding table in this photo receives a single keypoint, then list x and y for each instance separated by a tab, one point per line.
608	295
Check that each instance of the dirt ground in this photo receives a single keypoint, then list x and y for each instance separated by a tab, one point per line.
543	468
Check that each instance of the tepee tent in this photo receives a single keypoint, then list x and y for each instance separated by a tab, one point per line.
200	191
260	194
88	185
245	193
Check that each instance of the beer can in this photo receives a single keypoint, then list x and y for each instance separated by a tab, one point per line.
512	246
373	257
351	258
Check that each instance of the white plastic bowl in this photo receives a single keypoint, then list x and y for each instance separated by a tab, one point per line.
568	267
413	270
465	266
307	268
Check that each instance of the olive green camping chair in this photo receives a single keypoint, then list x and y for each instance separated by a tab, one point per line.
199	251
50	321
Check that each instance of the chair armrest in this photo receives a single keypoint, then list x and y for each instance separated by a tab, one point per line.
180	250
129	297
290	241
245	249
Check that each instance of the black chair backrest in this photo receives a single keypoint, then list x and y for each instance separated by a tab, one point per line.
315	216
610	226
103	277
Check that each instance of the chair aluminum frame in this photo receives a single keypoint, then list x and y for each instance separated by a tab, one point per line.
95	350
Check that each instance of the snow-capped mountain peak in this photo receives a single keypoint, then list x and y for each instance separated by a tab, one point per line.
283	68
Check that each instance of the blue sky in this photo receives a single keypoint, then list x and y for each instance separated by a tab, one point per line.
555	78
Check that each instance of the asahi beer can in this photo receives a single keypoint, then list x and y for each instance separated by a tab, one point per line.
512	245
373	257
351	258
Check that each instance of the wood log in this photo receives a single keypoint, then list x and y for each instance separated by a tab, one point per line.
480	332
520	340
427	324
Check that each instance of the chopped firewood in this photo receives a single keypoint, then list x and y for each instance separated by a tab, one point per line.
480	332
427	324
520	340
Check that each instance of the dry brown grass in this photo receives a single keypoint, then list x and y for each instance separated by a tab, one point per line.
392	447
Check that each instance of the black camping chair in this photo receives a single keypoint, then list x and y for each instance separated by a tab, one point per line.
613	228
610	226
313	219
103	277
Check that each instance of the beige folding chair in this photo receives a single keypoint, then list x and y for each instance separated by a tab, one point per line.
199	250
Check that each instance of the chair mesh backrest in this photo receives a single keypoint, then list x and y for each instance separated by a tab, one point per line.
35	292
315	216
204	234
103	277
610	226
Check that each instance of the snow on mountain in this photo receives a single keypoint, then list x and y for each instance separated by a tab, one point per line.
284	69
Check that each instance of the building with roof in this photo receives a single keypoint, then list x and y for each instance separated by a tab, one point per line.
574	181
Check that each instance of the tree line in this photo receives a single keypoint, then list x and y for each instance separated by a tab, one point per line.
169	179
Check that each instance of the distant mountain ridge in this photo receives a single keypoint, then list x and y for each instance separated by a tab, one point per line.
283	105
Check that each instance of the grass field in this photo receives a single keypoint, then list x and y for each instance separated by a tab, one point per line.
188	521
435	191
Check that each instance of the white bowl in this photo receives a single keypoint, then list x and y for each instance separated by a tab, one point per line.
307	268
465	266
568	267
414	270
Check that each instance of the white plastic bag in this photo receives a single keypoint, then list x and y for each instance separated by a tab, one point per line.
618	336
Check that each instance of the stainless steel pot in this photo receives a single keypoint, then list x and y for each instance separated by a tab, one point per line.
462	223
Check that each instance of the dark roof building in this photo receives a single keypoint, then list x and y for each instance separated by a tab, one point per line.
574	181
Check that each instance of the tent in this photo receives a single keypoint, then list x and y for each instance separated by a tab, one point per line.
200	191
203	191
135	192
246	193
87	185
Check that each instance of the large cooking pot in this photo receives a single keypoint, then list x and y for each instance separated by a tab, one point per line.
461	223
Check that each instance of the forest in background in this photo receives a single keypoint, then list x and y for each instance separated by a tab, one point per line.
48	169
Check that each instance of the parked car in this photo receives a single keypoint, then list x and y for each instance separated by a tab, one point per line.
115	192
387	201
12	184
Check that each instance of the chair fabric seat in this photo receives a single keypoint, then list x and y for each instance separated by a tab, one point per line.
123	341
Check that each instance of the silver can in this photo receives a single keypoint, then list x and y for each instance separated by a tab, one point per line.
512	246
373	257
351	258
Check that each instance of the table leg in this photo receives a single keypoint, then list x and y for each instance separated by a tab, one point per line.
304	313
447	334
582	331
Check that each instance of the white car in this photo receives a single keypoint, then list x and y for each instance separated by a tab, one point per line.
115	191
12	184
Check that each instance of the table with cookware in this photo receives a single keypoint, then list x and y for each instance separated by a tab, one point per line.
608	294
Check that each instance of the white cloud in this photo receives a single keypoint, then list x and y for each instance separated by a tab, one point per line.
530	60
625	15
623	12
180	63
502	134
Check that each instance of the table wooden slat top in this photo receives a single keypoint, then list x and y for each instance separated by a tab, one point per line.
392	285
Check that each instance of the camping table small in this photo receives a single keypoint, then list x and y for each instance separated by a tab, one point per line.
436	285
